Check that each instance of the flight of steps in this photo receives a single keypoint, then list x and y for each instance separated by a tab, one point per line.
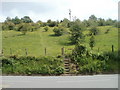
67	66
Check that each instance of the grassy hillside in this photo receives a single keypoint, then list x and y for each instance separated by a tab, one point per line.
35	42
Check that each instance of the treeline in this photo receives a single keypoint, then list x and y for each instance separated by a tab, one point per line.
26	23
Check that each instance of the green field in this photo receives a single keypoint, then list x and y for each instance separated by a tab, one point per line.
35	42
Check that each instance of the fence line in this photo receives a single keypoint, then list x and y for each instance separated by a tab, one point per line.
63	50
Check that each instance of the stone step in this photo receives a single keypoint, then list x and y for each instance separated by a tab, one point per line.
66	64
67	69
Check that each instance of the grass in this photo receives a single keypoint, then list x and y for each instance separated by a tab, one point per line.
105	41
35	42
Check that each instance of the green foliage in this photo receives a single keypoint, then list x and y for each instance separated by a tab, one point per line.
51	23
94	31
92	21
101	22
16	20
65	23
79	50
93	67
93	17
8	26
76	32
23	28
107	31
26	19
58	31
46	28
92	42
31	65
109	22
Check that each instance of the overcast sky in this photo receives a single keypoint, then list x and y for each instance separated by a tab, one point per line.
59	9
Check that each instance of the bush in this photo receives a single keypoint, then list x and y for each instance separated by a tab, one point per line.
92	67
107	31
30	65
76	32
58	31
79	50
94	31
46	28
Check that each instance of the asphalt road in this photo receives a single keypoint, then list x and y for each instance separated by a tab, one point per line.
95	81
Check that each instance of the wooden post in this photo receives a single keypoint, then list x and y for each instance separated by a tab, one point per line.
112	48
98	49
26	53
10	51
2	51
45	51
62	50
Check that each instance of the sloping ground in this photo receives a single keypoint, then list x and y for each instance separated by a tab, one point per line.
36	42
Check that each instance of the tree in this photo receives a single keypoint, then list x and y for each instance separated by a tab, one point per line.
109	22
49	21
58	31
26	19
101	22
92	42
8	19
93	17
16	20
9	25
92	21
46	28
65	22
76	32
24	27
94	31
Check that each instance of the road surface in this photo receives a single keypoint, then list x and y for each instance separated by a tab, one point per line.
95	81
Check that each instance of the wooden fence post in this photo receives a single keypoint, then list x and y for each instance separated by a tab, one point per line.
45	51
1	52
98	49
112	48
10	51
26	53
62	50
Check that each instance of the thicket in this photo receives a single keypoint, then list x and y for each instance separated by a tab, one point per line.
90	63
31	65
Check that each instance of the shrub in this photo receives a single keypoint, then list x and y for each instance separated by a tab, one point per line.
46	28
58	31
79	50
29	65
76	32
95	66
92	42
94	31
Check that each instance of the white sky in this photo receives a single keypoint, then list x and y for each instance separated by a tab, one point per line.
59	9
